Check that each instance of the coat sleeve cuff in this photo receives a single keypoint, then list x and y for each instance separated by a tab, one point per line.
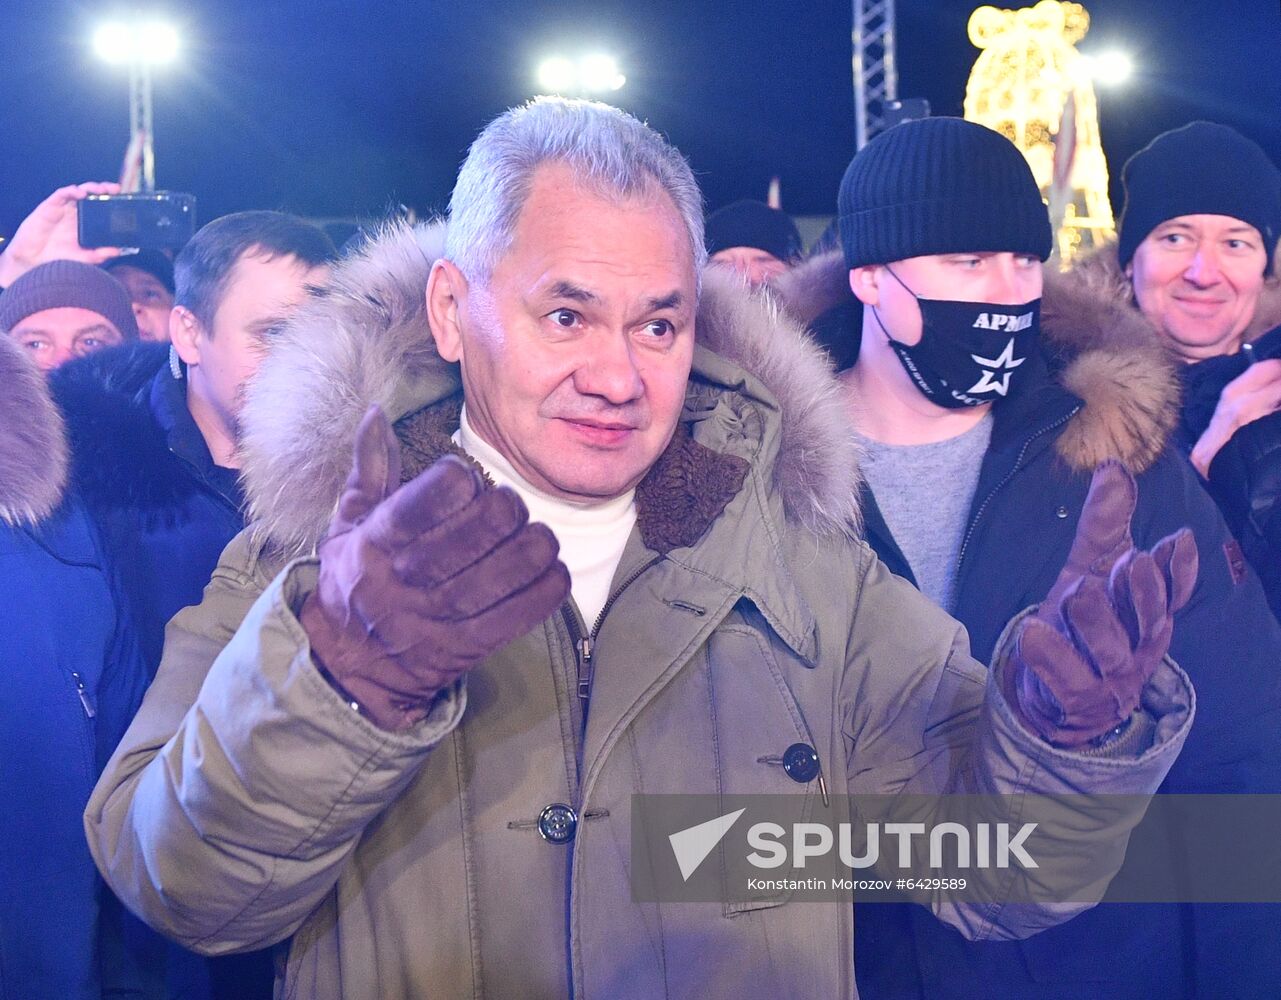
1136	761
296	583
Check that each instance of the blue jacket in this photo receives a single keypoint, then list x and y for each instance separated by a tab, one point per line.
72	676
166	512
1032	485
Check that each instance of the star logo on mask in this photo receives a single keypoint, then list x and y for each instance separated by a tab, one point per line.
998	378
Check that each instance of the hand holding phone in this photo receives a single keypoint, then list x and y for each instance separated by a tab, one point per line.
154	220
50	232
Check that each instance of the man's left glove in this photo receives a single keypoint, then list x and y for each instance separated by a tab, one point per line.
1081	660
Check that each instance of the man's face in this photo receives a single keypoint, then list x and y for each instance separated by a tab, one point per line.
996	278
757	266
576	353
1197	279
151	301
258	298
54	336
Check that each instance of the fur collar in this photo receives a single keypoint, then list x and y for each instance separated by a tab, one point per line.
685	491
815	286
1103	351
33	450
120	457
1113	361
365	340
1100	271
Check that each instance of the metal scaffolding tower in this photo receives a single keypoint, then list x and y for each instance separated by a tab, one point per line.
140	119
875	69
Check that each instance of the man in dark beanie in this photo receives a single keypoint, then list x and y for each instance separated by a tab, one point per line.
148	278
65	309
991	424
758	241
1196	257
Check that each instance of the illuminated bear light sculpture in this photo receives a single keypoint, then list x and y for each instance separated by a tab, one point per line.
1019	86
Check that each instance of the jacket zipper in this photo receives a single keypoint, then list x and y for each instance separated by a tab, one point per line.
584	645
200	477
978	514
90	711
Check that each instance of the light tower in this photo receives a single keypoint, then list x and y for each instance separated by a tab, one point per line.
140	45
875	68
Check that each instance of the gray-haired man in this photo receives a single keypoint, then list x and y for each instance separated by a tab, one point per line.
671	459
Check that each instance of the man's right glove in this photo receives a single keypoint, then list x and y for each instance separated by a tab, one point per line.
421	582
1081	661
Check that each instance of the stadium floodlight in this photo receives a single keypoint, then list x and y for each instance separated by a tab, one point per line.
113	43
595	73
1110	69
598	73
150	42
557	75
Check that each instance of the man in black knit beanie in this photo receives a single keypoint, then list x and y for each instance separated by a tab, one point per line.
986	413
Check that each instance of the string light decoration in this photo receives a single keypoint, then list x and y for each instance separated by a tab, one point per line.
1020	85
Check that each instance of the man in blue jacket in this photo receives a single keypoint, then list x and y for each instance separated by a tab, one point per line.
983	413
72	678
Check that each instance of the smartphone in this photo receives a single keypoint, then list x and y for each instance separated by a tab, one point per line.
155	220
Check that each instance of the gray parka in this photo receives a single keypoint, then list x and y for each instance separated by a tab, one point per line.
248	803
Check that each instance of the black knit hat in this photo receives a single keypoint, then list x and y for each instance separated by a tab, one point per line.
153	262
753	224
68	283
1199	169
939	185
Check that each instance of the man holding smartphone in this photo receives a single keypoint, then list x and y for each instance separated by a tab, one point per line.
148	278
50	233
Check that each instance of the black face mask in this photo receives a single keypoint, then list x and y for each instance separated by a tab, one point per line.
970	353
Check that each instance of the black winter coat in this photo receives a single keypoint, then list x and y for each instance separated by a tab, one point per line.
1245	476
1021	525
142	467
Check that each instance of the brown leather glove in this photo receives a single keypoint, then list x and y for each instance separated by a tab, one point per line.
421	582
1081	661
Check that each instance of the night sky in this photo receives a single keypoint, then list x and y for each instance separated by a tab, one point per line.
333	108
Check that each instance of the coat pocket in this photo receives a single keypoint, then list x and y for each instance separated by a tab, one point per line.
756	719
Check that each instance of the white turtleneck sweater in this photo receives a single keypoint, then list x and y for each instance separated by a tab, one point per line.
592	536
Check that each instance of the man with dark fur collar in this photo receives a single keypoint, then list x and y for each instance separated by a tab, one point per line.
981	430
1195	256
391	733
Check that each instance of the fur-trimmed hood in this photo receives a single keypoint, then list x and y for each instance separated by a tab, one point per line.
366	340
1101	274
1102	349
119	456
33	450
